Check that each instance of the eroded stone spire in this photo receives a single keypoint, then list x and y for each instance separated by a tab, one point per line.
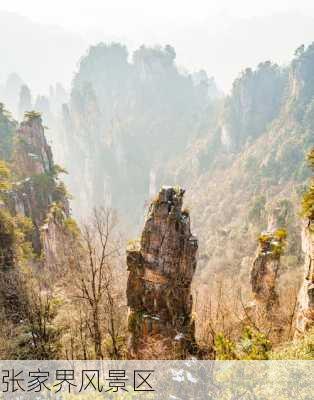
305	315
161	267
264	277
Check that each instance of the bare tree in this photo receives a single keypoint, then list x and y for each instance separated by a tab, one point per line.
94	274
40	313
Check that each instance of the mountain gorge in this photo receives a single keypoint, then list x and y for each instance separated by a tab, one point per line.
240	158
126	120
133	125
34	222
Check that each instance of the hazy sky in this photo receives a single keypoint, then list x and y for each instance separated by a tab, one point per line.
120	15
220	36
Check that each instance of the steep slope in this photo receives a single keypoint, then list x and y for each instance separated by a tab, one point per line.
132	127
161	268
37	188
34	211
126	119
235	186
305	316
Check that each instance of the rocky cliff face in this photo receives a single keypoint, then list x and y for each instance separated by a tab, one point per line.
128	119
37	188
33	155
264	275
305	316
161	267
33	212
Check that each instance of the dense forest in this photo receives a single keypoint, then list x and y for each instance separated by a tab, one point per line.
132	133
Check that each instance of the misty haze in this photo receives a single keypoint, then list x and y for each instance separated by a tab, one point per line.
156	180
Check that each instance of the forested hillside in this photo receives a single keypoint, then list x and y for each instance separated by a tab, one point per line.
248	176
131	127
240	158
34	218
134	124
49	266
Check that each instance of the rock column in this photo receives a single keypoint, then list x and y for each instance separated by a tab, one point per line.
305	315
264	275
161	267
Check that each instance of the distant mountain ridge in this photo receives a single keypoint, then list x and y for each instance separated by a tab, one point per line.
34	51
209	45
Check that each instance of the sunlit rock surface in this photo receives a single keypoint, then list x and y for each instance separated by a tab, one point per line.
38	194
305	316
161	267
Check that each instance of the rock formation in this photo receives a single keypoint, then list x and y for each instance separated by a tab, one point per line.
264	275
305	315
34	155
161	267
37	189
33	211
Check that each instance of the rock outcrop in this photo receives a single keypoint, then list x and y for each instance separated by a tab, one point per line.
161	267
34	155
264	274
37	188
305	315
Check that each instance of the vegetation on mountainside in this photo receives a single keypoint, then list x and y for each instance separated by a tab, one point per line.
49	183
302	69
310	158
308	202
254	102
252	345
15	234
138	123
256	187
299	349
25	309
273	242
308	197
266	122
5	183
256	210
7	129
32	115
129	117
50	267
71	227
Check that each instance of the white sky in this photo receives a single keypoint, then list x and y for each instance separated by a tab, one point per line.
207	34
117	16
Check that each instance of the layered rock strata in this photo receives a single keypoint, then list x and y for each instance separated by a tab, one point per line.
264	278
38	188
161	267
305	315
